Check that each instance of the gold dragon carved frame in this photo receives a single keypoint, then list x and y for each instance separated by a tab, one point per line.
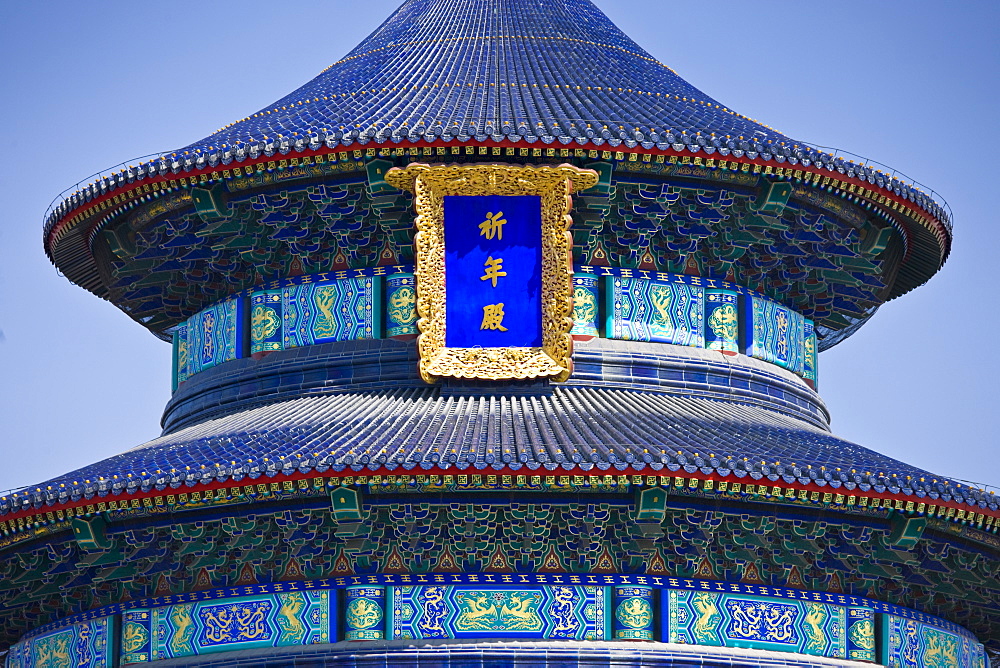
554	185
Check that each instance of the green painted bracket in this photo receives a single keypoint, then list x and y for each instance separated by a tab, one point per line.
120	242
906	531
89	533
376	176
651	505
345	504
604	171
209	203
773	197
875	241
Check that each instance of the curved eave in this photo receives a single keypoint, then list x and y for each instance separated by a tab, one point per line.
16	527
396	433
72	227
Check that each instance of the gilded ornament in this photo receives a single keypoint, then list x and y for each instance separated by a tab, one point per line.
584	306
705	604
264	322
363	613
403	305
724	322
661	297
180	616
863	634
236	622
816	615
563	611
554	185
940	649
435	610
182	355
760	620
55	651
635	613
325	300
495	611
134	637
293	631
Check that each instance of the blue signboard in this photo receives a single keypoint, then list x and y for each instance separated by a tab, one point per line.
493	271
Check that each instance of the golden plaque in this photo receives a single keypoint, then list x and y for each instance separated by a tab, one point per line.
552	186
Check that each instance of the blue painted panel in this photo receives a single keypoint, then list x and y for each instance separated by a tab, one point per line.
754	622
437	611
810	352
180	355
364	613
84	645
137	636
908	643
776	334
246	622
493	271
861	634
655	310
212	335
633	614
334	310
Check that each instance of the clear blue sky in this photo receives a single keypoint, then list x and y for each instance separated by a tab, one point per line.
86	85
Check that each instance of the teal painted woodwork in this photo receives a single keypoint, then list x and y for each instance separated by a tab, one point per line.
212	336
776	334
247	622
84	645
756	622
655	310
401	306
550	612
908	643
633	613
337	310
266	321
627	304
137	636
722	320
810	352
861	634
364	613
179	354
568	606
586	313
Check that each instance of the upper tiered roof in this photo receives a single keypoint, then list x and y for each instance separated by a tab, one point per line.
555	71
475	72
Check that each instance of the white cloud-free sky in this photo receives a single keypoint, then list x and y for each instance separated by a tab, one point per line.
86	85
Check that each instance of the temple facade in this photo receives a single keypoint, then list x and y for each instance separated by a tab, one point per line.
497	343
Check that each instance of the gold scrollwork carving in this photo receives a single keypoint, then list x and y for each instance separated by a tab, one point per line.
554	184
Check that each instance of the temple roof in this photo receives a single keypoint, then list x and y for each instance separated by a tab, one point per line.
516	72
579	431
479	68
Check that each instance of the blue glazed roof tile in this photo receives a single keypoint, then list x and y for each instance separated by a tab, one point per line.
478	69
558	72
573	428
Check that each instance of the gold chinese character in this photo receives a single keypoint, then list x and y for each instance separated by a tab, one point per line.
492	225
494	269
493	317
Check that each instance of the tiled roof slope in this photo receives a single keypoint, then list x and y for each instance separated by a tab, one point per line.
476	68
568	430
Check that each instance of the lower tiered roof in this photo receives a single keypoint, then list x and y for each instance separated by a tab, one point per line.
631	408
